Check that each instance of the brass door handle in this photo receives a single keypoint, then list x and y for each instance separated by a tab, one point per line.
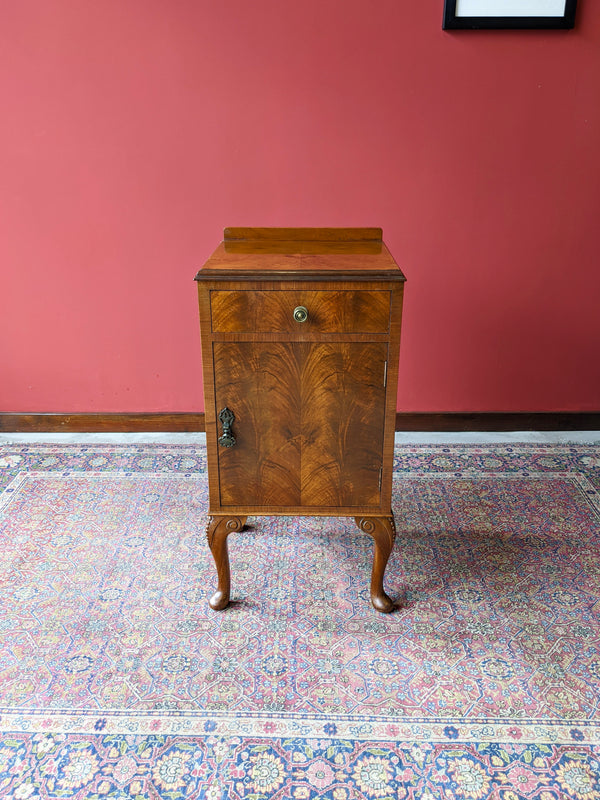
300	314
226	418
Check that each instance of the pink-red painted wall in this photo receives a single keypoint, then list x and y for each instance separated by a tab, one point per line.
133	131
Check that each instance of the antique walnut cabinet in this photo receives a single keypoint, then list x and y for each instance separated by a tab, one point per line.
300	333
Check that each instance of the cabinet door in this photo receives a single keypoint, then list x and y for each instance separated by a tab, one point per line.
342	422
309	420
259	382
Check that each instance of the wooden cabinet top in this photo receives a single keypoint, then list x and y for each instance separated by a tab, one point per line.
301	254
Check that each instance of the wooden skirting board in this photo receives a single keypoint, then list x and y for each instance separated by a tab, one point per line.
192	422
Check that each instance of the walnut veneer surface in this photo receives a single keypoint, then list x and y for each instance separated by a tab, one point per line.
300	336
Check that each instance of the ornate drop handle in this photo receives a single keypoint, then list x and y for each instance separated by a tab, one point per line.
226	418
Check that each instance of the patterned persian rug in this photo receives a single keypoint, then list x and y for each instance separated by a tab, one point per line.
118	681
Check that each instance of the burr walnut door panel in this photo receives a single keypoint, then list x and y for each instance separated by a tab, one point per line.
260	384
309	423
342	421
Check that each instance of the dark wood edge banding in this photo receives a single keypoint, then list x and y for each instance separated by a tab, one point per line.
308	275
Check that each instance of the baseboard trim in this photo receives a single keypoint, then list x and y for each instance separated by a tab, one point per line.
191	422
500	421
101	423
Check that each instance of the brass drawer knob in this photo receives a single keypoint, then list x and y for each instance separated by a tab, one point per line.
300	314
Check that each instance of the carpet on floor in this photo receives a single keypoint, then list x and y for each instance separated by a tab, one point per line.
118	681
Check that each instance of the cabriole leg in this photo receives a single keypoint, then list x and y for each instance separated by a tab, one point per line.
383	531
217	531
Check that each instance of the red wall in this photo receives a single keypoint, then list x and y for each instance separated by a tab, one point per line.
133	131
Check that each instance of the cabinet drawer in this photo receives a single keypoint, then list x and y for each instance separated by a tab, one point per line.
272	311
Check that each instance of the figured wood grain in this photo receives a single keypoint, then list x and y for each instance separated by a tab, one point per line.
343	401
259	311
309	423
210	338
260	384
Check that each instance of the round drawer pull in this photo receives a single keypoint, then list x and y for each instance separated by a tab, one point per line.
300	314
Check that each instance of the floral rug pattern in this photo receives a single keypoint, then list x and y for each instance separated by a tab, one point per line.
117	680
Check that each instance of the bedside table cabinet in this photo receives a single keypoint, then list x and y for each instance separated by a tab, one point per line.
300	332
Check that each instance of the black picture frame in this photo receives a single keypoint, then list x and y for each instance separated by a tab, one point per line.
453	22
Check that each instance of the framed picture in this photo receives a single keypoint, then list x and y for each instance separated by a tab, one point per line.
508	14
